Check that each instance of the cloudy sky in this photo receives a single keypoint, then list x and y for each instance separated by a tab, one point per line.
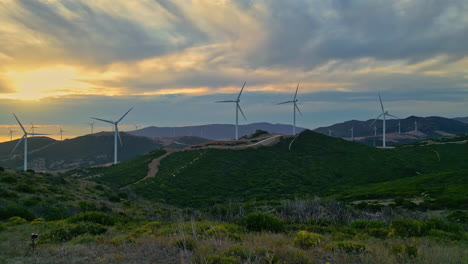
64	61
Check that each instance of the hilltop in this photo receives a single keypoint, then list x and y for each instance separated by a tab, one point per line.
214	131
315	165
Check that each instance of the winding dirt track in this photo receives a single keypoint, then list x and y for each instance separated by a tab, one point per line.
269	140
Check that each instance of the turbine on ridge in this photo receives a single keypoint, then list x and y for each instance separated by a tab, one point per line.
294	102
238	108
25	138
116	132
384	114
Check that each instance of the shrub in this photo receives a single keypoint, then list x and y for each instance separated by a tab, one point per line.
9	179
87	206
221	259
349	247
2	227
363	224
239	252
217	231
64	232
23	187
435	223
378	232
262	222
403	250
16	220
93	217
15	210
38	221
149	228
408	228
306	239
292	256
55	212
458	217
443	236
185	244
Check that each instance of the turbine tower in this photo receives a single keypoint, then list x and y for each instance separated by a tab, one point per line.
116	132
32	127
329	132
399	127
375	134
384	114
92	127
25	137
61	133
11	134
238	108
415	126
294	102
352	133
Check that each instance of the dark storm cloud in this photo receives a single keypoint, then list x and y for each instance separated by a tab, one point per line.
309	33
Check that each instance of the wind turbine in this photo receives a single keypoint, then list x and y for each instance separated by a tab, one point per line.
61	133
415	126
92	127
375	134
238	108
384	114
116	132
329	132
352	133
25	137
11	134
136	127
399	127
32	127
294	101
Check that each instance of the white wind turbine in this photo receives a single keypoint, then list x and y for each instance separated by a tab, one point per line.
294	102
25	138
383	114
11	134
32	127
116	132
352	133
238	108
92	127
415	126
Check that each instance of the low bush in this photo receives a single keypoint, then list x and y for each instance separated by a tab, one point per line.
381	233
262	222
221	259
16	220
349	247
185	244
93	217
307	240
364	224
24	187
404	250
239	252
8	179
443	235
291	256
62	232
408	228
458	216
15	210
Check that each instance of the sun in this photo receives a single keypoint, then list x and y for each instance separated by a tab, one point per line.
45	82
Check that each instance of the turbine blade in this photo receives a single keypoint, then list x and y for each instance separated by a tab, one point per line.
118	135
238	97
36	134
295	105
124	115
103	120
238	106
17	144
286	102
227	101
297	88
20	123
381	104
377	118
393	116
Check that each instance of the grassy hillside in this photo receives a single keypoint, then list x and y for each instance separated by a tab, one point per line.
445	187
316	165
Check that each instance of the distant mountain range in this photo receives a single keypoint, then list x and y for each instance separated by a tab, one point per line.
427	127
89	150
214	131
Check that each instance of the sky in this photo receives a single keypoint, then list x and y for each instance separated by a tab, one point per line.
62	62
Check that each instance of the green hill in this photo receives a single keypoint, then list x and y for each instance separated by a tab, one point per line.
316	165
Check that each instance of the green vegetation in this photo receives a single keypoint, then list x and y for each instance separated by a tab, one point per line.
316	165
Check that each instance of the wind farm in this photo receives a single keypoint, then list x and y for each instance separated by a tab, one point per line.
119	141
